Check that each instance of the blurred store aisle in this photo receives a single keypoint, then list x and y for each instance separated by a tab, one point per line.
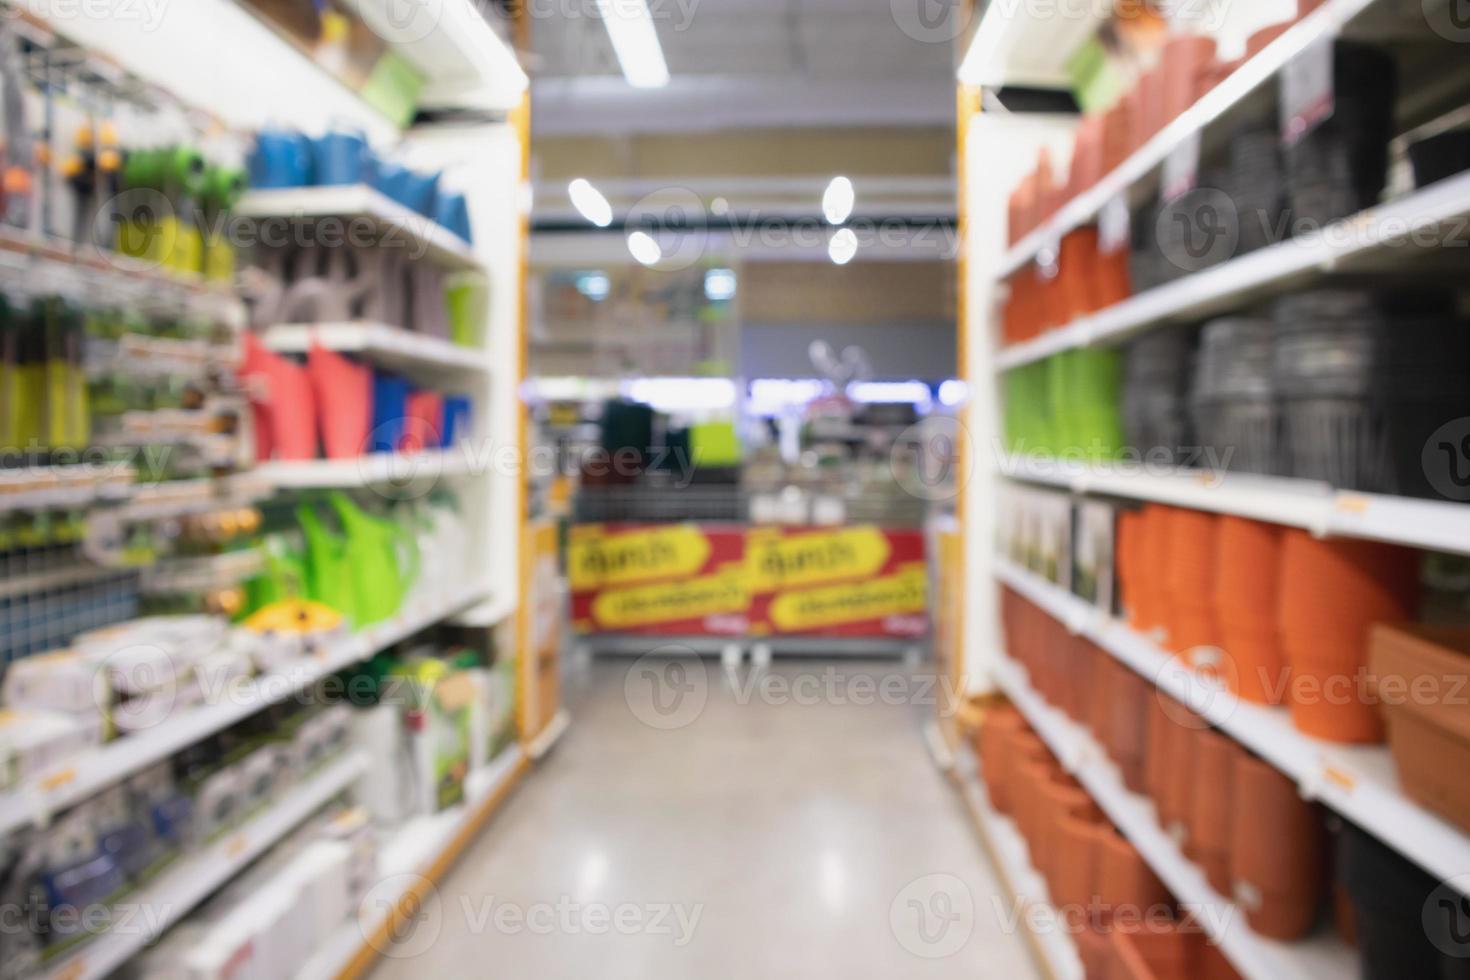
792	827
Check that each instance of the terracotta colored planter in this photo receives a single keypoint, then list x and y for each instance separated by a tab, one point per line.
1278	846
1247	562
1124	879
1029	777
1082	663
1153	953
1099	710
1127	729
1161	731
1095	949
1146	107
1211	805
1130	561
1058	799
1186	60
1117	135
994	741
1151	586
1114	284
1257	42
1331	593
1176	797
1190	583
1087	155
1079	271
1020	747
1076	841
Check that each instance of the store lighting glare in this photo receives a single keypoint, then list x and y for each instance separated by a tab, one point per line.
594	286
590	203
889	392
837	201
953	392
719	285
644	249
635	42
682	394
843	246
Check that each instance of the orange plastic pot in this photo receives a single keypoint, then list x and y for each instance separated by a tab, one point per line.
1153	953
1278	848
1127	731
1257	42
1210	809
1190	583
1075	842
1124	879
1247	564
1187	58
994	740
1331	593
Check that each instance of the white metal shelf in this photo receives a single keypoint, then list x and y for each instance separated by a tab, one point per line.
385	345
1315	507
376	469
1318	957
1358	782
1325	21
413	849
1402	224
74	780
195	877
403	229
63	487
1009	848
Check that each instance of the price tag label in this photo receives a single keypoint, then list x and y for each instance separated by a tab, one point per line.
1113	225
1307	93
1352	504
237	845
1181	168
58	779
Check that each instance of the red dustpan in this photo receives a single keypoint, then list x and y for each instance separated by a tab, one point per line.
344	390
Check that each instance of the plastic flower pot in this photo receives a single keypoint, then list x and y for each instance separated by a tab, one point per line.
1156	550
1130	561
994	739
1421	673
1127	730
1211	805
1124	879
1258	41
1059	800
1176	796
1190	574
1331	594
1153	953
1105	670
1117	135
1277	851
1247	561
1073	846
347	387
1186	59
1390	897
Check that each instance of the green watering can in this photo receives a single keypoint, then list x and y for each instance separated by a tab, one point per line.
382	559
329	578
283	577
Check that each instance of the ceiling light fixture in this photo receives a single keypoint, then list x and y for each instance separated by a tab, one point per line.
837	200
635	42
644	248
843	246
590	203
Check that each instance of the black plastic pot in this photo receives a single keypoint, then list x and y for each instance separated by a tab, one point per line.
1440	156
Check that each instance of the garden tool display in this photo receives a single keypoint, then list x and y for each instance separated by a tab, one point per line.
164	229
93	171
328	285
382	557
223	188
281	158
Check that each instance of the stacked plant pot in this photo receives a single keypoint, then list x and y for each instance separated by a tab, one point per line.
1247	568
1156	372
1257	185
1234	399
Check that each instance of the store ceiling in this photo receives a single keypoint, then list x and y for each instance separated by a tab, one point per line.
742	64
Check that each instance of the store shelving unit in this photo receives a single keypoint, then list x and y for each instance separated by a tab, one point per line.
1306	504
367	471
1358	782
59	487
401	228
382	344
1321	957
1380	232
1008	853
416	855
81	777
195	877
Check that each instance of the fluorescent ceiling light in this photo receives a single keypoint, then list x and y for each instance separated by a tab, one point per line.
719	285
590	203
843	246
888	392
644	248
953	392
635	42
837	201
681	394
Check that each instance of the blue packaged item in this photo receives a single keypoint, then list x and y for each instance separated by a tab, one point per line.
341	158
281	158
390	408
452	211
456	420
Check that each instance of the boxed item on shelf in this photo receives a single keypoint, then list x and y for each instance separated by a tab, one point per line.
63	680
32	742
1093	550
